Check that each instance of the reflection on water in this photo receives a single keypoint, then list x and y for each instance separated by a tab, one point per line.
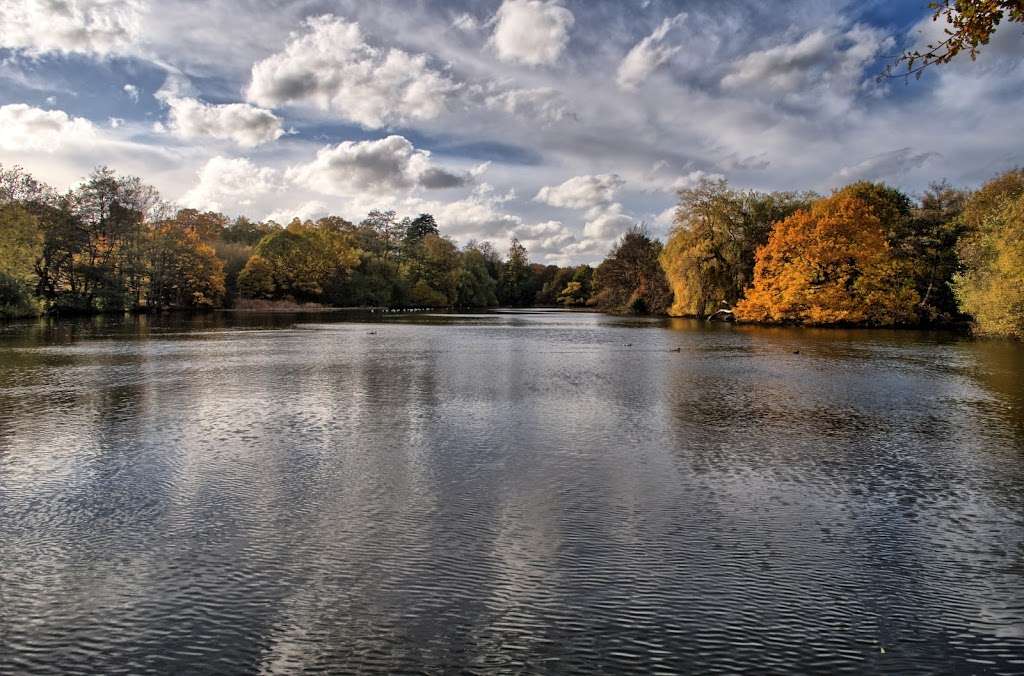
530	491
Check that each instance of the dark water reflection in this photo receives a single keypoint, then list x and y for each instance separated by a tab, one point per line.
523	492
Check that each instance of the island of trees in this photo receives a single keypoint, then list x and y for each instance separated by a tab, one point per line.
866	255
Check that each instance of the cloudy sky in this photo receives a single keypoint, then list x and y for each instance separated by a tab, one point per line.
560	122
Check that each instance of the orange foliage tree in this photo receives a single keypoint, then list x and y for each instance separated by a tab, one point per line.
184	271
829	265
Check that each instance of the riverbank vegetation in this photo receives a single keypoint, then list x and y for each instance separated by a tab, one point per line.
867	255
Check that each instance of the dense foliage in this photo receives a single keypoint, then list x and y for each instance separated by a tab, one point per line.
866	255
111	245
631	279
830	264
991	287
709	256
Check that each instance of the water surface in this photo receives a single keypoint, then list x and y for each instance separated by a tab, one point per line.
507	492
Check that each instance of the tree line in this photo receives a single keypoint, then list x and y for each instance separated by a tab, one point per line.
866	255
111	245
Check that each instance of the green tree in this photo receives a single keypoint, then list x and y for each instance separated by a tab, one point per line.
922	240
420	227
476	287
515	286
432	272
244	231
389	231
550	282
376	280
234	255
95	245
631	278
256	280
302	261
930	249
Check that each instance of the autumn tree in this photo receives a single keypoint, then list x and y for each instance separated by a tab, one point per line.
299	262
17	186
991	286
550	282
184	270
631	278
578	290
21	245
208	225
830	264
923	240
709	255
991	196
95	236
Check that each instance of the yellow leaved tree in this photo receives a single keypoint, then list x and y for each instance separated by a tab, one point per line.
991	285
830	264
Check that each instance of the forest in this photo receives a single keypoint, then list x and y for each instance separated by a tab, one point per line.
866	255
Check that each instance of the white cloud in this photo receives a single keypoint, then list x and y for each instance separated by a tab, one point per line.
332	67
885	165
806	102
386	165
531	32
132	91
542	103
824	59
467	23
25	128
648	55
98	27
115	122
230	184
595	194
1004	44
587	247
548	237
582	192
540	230
310	210
661	178
666	218
246	125
962	83
608	223
476	216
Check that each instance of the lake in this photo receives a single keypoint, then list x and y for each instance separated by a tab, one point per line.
529	492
